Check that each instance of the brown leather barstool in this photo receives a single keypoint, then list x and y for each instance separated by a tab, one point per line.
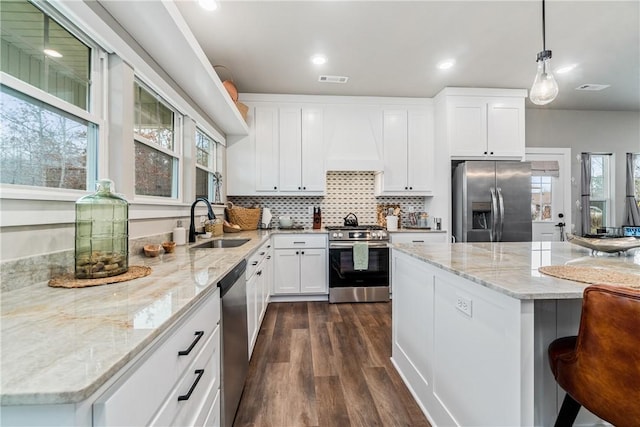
600	368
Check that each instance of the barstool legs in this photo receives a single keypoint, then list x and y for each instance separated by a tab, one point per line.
568	412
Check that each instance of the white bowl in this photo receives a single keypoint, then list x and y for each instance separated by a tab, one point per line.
286	222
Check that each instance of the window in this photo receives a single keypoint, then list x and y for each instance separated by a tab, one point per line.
636	177
48	137
600	205
156	156
44	146
40	52
205	167
541	199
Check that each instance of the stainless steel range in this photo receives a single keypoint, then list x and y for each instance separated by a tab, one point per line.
358	264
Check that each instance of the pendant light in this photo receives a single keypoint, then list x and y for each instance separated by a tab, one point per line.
545	88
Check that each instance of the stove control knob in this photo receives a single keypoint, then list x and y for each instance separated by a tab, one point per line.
334	235
339	234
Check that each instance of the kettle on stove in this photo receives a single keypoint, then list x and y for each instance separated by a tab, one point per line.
351	220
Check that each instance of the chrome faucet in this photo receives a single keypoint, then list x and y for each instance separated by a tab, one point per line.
192	227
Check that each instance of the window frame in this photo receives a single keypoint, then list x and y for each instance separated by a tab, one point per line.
213	161
178	147
551	192
95	113
608	187
12	191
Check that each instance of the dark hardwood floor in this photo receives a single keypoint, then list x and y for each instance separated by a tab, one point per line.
320	364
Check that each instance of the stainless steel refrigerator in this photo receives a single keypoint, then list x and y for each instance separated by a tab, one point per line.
491	201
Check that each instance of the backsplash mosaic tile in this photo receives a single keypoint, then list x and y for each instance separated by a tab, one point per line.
347	192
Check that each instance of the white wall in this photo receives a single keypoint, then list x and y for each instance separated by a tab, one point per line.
616	132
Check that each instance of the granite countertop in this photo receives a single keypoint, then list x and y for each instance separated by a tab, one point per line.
60	345
416	230
512	267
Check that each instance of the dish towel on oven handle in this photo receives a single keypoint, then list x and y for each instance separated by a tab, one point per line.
360	256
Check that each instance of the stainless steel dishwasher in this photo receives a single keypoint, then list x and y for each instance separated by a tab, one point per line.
235	347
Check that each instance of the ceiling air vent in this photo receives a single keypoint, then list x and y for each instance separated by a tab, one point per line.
592	87
333	79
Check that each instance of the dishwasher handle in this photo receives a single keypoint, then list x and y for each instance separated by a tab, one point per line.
232	277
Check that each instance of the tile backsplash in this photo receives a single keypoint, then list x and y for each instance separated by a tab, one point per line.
347	192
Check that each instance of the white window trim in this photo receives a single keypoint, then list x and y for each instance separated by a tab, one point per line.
176	153
545	221
609	198
25	192
213	161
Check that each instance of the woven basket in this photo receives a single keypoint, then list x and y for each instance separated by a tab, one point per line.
244	109
246	218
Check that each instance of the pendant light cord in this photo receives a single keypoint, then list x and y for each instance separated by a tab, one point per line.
544	45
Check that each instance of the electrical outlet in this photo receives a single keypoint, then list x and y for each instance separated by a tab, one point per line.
310	210
464	304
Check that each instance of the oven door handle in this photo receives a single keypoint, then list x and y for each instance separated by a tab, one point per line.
372	245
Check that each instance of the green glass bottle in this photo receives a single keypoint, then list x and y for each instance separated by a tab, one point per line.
102	233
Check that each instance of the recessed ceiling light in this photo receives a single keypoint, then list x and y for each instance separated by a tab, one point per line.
319	59
566	68
208	4
446	64
52	53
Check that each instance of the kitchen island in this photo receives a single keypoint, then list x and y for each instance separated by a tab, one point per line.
472	322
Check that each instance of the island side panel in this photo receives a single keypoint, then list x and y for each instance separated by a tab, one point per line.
475	363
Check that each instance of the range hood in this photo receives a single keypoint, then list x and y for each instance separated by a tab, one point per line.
354	138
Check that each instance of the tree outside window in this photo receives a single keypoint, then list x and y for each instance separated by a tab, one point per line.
156	157
541	198
48	137
205	165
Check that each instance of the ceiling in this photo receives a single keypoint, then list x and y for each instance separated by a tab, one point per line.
391	48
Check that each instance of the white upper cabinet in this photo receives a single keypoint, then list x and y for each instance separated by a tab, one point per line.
408	153
266	149
313	152
301	150
285	144
290	149
485	124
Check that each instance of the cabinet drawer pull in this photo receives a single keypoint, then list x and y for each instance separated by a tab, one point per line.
262	253
417	241
199	373
259	273
254	263
186	352
299	243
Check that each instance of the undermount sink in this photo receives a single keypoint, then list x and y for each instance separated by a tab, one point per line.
221	243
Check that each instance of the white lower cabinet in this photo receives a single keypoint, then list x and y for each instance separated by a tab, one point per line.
176	382
258	291
300	264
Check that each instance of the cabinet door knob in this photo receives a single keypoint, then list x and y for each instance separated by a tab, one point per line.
302	252
304	188
198	335
275	188
199	373
406	188
410	188
492	153
299	188
297	253
485	153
